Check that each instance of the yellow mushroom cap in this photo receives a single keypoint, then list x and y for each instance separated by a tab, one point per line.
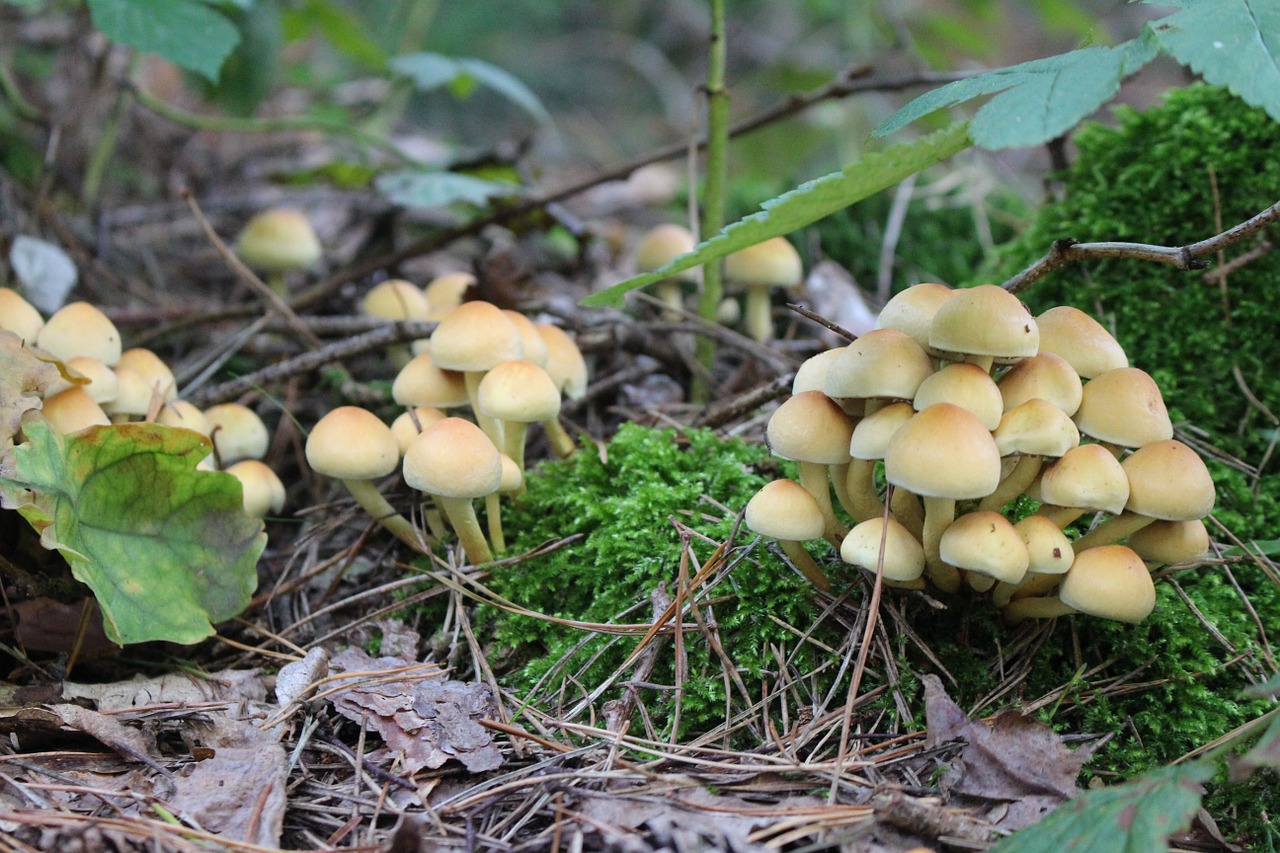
73	410
278	240
881	363
965	385
102	384
445	292
19	316
152	369
133	394
1045	376
812	373
662	243
237	432
1081	340
396	299
1169	542
79	328
183	414
810	427
1111	582
453	458
773	263
871	436
474	337
408	424
262	490
987	543
1036	427
565	364
1168	481
351	443
1124	407
903	554
783	509
985	320
1048	547
535	348
519	391
912	310
944	451
422	383
1086	477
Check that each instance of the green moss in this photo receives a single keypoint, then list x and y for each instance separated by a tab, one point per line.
625	510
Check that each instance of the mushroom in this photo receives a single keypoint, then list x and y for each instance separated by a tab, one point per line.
181	413
812	430
535	348
868	445
472	339
1050	555
412	421
354	445
1032	431
396	300
1164	543
79	328
768	264
1081	340
72	410
1085	478
422	383
885	543
1123	408
943	454
511	483
881	366
984	325
568	370
518	393
262	490
100	380
278	241
659	245
153	370
787	512
1110	581
985	543
965	385
912	310
1044	376
19	316
445	292
237	433
455	462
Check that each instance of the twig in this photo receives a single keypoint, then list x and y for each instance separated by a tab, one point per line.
748	401
822	321
1187	257
273	302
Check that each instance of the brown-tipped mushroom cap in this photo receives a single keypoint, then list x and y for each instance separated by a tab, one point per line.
1045	376
351	443
986	321
237	432
903	554
912	310
396	299
987	543
1081	340
278	240
1124	407
19	316
810	427
965	385
79	328
263	492
1110	581
73	410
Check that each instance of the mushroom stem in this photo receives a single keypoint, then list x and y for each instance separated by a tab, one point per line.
671	294
813	476
804	561
757	318
1032	585
1060	515
986	362
493	515
562	444
371	501
839	475
1112	530
491	426
1035	608
462	517
1023	475
938	515
862	502
906	508
513	440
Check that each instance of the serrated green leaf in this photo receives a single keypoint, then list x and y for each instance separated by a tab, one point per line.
1139	815
427	189
431	71
185	32
166	549
805	204
1231	43
1038	100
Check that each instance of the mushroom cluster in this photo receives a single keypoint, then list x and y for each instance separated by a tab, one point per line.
506	370
930	428
106	384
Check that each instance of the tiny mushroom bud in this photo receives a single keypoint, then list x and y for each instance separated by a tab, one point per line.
768	264
455	462
783	510
263	491
354	445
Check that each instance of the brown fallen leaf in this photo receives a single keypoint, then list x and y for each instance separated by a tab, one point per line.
422	717
232	685
24	377
1015	760
37	722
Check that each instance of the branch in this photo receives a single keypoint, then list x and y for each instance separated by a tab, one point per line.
1187	257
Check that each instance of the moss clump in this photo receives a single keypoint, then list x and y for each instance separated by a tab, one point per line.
624	509
1150	179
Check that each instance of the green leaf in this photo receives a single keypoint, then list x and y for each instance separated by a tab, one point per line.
427	189
166	549
1231	43
1139	815
805	204
431	71
185	32
345	31
1038	100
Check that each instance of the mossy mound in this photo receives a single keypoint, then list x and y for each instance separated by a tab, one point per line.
1150	179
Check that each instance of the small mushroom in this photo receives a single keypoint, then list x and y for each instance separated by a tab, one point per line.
762	267
79	328
1111	582
785	511
455	462
659	245
263	492
278	241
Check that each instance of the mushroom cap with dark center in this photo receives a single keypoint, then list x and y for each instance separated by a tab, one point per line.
351	443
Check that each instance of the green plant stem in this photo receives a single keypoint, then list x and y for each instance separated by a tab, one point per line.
104	151
9	87
226	124
712	219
